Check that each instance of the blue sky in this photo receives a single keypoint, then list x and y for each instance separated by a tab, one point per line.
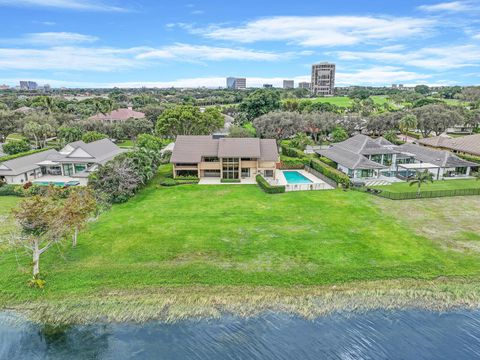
86	43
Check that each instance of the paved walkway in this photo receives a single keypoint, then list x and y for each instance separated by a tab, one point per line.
216	181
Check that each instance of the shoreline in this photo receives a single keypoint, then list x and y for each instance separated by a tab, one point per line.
176	303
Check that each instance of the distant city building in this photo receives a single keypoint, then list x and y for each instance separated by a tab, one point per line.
267	86
323	79
46	87
28	85
4	87
236	83
304	85
394	86
288	84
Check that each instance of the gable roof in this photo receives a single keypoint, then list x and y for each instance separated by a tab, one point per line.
364	145
348	158
119	115
99	151
27	163
442	158
191	149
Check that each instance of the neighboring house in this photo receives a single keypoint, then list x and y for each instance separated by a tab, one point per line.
75	162
226	158
119	115
361	157
469	144
441	163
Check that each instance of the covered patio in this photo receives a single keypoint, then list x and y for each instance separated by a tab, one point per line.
406	171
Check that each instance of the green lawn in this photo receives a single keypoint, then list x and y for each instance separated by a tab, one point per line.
125	143
236	235
344	101
6	221
402	187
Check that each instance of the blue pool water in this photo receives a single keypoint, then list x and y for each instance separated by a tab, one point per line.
57	183
294	177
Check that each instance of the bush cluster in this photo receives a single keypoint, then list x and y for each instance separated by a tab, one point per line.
227	181
291	151
11	190
30	152
472	158
287	162
269	189
328	162
330	172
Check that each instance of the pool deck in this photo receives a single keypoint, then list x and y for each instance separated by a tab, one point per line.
317	184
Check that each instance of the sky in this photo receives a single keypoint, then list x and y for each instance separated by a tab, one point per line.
186	43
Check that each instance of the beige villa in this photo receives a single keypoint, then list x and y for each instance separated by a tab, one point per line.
225	158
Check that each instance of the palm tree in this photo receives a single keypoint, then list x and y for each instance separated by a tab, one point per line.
421	177
407	123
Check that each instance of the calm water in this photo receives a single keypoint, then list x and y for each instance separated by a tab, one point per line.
373	335
294	177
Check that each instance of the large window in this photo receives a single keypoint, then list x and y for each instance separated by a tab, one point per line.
68	169
245	172
80	168
230	168
210	159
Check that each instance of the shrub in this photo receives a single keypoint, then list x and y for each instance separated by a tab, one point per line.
287	162
11	190
330	172
291	151
226	181
16	147
168	182
269	189
328	162
180	177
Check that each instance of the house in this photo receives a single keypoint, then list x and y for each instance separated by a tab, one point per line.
225	158
75	162
469	144
441	163
119	115
361	157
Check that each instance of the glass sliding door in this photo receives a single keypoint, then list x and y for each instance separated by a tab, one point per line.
67	169
230	168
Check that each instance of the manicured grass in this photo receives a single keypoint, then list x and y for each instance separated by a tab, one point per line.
342	101
125	143
7	224
236	235
403	187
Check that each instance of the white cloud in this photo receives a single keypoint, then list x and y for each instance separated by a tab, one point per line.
452	6
69	58
319	30
80	5
57	38
476	37
378	76
211	53
433	58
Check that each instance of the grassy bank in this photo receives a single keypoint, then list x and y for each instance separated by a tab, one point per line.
457	184
192	240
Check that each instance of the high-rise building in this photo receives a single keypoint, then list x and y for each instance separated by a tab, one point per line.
323	79
236	83
304	85
288	84
28	85
267	86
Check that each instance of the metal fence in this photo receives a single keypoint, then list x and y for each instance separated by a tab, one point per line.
423	194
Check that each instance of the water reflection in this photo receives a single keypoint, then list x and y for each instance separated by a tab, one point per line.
373	335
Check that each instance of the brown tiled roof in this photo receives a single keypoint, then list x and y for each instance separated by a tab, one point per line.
191	149
469	144
119	115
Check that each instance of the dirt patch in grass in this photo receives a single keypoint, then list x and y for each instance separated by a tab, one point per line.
452	222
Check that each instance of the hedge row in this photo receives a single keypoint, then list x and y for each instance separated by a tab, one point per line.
291	151
328	162
179	181
230	181
11	190
269	189
30	152
330	172
287	162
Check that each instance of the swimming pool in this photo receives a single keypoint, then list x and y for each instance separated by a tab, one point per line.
295	177
56	183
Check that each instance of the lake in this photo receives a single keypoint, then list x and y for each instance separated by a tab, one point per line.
408	334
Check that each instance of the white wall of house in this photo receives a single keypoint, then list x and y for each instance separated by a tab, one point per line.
24	177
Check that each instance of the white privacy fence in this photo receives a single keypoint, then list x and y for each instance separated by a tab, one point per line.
304	187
